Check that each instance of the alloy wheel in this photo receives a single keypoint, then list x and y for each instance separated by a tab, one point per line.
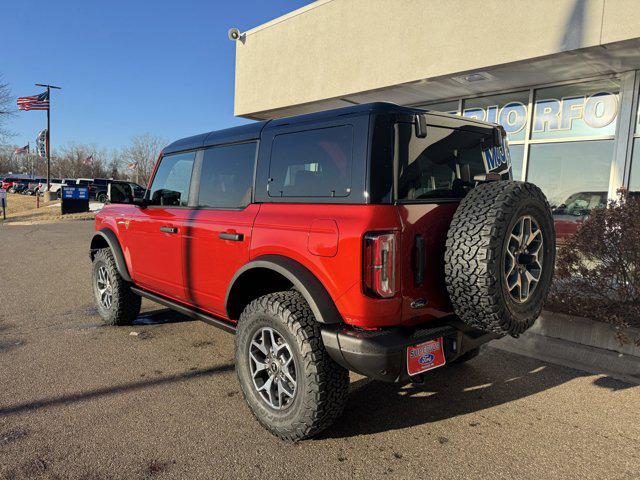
273	368
105	289
523	259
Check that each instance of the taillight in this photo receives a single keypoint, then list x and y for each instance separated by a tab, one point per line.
380	264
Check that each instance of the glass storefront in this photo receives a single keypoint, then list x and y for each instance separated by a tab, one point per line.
559	169
580	110
634	178
446	107
509	110
562	138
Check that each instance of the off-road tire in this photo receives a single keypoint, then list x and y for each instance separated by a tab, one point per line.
322	384
475	256
125	305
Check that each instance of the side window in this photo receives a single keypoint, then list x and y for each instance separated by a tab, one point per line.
313	163
170	185
227	176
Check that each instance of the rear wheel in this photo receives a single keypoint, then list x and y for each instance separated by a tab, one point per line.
290	383
101	198
500	255
116	303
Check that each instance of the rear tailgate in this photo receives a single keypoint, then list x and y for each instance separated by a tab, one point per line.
422	247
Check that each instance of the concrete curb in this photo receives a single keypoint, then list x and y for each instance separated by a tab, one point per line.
577	343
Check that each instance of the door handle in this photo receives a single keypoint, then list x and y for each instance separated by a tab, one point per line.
169	229
234	237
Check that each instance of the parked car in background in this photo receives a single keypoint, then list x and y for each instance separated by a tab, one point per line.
99	190
8	182
34	186
19	186
572	213
137	190
57	184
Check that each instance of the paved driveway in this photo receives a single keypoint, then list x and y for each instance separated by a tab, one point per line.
79	400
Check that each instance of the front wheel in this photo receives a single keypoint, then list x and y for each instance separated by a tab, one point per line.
116	303
101	198
290	383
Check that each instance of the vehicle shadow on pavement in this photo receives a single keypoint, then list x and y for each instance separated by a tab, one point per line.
161	316
448	392
113	390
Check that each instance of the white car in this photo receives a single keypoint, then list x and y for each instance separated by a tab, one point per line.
57	184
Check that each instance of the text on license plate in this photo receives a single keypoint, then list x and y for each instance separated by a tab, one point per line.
425	356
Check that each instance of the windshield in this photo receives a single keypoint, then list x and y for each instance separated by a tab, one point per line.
447	163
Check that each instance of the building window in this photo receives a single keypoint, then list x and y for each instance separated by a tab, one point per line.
509	110
446	107
580	110
572	144
634	180
573	175
561	138
517	158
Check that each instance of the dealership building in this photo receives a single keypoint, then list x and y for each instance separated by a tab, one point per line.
561	76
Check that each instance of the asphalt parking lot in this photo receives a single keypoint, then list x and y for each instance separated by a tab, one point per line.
80	400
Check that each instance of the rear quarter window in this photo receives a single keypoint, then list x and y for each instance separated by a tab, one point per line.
312	163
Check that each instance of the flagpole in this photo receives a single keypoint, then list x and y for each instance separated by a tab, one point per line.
49	87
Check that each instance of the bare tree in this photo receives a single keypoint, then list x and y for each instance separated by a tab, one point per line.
6	110
142	153
79	161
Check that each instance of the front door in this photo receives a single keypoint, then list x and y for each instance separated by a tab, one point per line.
156	231
217	238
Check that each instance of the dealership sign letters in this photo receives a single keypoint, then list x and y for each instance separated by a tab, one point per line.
574	115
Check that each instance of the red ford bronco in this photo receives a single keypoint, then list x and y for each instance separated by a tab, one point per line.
376	238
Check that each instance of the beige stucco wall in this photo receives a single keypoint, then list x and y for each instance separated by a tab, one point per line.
334	48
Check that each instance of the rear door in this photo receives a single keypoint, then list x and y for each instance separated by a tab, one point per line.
154	234
433	175
218	232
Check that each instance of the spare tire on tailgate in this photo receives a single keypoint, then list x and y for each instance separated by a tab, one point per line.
500	256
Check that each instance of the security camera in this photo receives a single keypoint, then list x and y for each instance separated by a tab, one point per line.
234	34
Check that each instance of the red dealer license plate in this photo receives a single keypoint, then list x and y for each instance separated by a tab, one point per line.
425	356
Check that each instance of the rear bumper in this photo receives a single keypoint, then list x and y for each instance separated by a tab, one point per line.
381	354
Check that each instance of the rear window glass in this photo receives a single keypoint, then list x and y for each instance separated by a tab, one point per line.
313	163
442	165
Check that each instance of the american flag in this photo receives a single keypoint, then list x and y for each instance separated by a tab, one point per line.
132	165
88	160
21	150
34	102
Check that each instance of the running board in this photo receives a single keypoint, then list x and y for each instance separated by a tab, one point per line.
189	312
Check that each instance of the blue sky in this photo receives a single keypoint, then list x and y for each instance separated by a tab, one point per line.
127	67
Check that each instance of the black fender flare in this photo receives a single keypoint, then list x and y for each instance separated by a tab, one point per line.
107	235
303	280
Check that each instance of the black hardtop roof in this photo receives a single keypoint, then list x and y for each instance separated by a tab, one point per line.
252	131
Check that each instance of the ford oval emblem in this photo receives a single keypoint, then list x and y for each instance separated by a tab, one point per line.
426	359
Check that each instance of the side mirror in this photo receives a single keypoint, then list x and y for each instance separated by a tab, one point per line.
421	125
120	193
140	202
